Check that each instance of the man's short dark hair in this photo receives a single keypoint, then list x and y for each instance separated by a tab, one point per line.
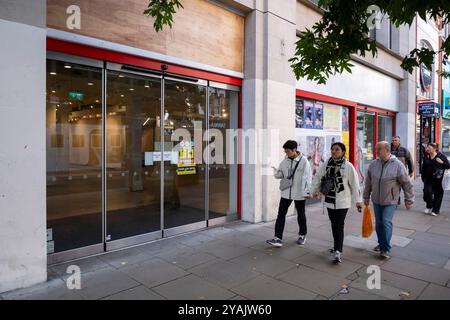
396	137
290	144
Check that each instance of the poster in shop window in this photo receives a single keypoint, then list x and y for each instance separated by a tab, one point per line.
318	116
332	118
309	114
186	164
299	114
315	149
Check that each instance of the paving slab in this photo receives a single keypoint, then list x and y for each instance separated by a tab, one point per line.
410	288
137	293
192	287
104	282
123	258
417	270
55	289
357	294
263	262
267	288
224	273
324	263
426	257
435	292
85	265
154	272
313	280
289	251
224	250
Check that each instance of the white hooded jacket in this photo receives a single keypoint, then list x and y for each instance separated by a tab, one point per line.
302	178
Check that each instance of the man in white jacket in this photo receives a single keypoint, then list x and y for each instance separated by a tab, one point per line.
294	167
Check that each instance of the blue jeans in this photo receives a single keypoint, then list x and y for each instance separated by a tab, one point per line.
383	225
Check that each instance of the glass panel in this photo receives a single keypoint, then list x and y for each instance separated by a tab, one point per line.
223	115
132	166
384	128
74	156
365	141
446	137
184	179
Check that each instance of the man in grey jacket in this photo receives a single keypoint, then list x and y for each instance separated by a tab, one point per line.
385	177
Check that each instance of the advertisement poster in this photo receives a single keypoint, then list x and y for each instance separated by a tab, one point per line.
332	118
315	149
346	140
308	114
318	116
299	113
186	164
345	119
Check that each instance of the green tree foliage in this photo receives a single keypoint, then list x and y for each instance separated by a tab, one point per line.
162	11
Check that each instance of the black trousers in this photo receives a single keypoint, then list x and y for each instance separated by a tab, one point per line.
337	218
433	194
281	218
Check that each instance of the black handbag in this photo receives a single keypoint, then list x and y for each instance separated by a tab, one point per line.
326	184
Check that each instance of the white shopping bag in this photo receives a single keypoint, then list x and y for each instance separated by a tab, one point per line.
446	180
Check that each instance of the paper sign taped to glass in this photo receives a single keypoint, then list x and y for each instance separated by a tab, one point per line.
186	164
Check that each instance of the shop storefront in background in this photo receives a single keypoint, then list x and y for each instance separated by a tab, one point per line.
318	125
322	120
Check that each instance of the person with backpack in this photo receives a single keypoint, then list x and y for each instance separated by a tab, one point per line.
433	166
337	181
294	173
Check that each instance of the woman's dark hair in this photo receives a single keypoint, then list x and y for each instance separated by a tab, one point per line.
340	145
434	145
290	144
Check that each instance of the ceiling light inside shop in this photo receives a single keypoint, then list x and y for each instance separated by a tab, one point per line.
121	76
146	121
90	84
53	73
67	66
131	89
122	95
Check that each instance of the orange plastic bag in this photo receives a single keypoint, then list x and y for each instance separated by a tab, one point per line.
367	227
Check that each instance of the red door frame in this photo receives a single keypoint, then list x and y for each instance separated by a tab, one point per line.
354	108
86	51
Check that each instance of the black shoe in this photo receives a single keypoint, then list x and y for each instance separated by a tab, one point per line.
275	242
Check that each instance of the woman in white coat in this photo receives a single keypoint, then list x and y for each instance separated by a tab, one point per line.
296	168
337	181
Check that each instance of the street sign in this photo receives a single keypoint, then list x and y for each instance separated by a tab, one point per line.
429	109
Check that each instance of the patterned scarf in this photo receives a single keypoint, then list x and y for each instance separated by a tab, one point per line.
333	171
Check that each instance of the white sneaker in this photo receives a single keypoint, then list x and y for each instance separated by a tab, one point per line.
433	214
337	257
427	211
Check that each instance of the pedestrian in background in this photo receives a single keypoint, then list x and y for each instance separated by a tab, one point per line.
433	166
402	154
294	167
337	181
385	177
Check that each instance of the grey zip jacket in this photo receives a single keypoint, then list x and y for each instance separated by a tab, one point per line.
385	179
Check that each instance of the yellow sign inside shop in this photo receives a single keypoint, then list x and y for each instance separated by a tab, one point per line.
186	164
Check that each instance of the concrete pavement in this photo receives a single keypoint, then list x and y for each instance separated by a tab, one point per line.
234	262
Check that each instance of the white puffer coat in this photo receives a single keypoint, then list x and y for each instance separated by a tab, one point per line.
351	194
302	178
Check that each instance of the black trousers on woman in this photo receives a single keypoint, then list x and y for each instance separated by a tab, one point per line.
337	218
433	194
281	218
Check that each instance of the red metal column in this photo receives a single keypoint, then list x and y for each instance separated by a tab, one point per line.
353	144
375	134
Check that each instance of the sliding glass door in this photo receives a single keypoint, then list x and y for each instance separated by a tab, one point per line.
135	155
